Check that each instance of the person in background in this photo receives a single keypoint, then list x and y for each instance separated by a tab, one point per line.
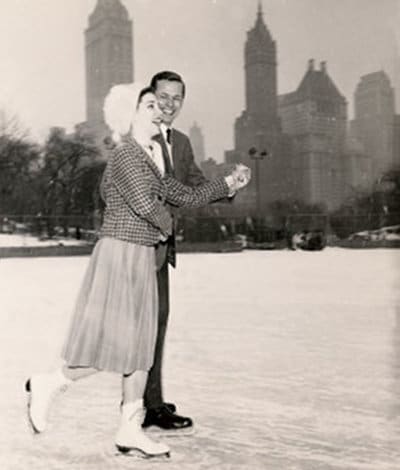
114	324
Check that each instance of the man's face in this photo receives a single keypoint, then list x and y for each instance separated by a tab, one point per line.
170	99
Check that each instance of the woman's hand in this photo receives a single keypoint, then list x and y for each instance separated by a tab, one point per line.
239	178
242	175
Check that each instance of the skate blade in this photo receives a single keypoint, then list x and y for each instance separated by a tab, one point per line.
138	454
155	431
28	408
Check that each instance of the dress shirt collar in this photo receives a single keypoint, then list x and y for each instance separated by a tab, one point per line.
163	129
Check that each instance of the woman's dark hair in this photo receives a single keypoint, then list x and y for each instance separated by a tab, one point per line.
170	76
148	89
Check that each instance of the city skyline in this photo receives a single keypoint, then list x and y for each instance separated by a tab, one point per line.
43	79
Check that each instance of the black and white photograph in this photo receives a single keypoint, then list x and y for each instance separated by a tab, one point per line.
200	234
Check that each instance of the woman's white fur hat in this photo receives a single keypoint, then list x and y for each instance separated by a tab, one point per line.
120	107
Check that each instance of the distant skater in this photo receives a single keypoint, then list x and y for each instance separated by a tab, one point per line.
114	324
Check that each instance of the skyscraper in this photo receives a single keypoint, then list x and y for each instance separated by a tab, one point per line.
259	124
197	141
373	123
260	74
396	141
315	115
108	57
260	117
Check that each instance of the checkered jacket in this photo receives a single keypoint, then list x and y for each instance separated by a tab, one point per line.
136	195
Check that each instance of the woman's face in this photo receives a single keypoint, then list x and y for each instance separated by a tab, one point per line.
148	115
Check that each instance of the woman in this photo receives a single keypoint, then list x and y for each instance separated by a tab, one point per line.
115	320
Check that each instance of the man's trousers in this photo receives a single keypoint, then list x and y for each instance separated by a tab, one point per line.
153	396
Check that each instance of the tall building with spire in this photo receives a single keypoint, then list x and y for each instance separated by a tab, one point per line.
260	75
108	57
197	140
373	125
259	124
315	116
260	116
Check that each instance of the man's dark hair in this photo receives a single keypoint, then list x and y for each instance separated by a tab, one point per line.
170	76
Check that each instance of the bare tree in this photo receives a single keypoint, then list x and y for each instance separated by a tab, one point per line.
67	160
19	162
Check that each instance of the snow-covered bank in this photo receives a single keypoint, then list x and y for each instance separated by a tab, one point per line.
19	240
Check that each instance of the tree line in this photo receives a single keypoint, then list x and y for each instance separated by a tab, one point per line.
58	178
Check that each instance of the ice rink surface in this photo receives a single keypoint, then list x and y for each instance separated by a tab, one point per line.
285	361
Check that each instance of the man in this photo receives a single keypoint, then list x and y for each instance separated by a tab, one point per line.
178	160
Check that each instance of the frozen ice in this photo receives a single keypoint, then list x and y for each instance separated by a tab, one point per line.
285	360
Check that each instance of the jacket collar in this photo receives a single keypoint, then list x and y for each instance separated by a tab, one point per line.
143	154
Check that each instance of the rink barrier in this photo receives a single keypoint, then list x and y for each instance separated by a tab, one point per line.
364	244
207	234
45	251
83	250
182	247
209	247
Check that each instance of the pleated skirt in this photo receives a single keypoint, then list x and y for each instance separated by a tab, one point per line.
114	323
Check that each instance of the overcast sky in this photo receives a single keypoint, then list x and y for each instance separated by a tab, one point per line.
42	53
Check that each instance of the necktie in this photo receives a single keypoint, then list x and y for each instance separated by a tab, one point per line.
166	251
169	136
167	162
165	153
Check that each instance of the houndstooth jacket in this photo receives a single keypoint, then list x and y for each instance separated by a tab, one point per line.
136	194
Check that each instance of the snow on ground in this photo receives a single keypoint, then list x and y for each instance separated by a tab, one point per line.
285	360
16	240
